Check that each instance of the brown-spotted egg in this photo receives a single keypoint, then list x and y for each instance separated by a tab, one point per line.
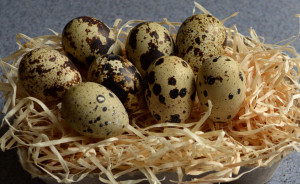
200	37
146	42
120	76
94	111
170	89
221	80
86	38
46	74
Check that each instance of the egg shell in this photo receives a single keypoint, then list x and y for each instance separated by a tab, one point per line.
86	38
120	76
200	37
146	42
46	74
94	111
221	80
170	90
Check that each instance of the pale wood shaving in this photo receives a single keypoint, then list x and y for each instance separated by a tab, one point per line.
264	130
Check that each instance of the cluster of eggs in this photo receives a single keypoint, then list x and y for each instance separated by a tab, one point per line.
156	72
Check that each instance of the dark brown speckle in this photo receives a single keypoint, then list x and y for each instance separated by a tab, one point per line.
151	77
197	40
172	81
147	58
111	95
184	64
52	59
156	89
162	99
100	99
159	61
182	92
175	118
230	96
174	93
241	76
205	93
157	117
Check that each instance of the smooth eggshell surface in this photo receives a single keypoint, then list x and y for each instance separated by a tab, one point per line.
46	74
170	89
200	37
221	80
120	76
146	42
93	110
86	38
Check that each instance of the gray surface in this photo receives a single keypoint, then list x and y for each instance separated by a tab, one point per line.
274	20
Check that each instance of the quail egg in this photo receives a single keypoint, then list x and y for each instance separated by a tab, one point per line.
221	80
170	90
94	111
146	42
200	37
86	38
120	76
46	74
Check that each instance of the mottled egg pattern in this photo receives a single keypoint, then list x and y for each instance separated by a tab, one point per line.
85	38
46	74
200	37
146	42
170	89
94	111
221	80
120	76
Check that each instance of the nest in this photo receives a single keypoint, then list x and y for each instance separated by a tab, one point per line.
265	129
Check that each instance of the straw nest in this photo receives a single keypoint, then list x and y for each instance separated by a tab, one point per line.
265	129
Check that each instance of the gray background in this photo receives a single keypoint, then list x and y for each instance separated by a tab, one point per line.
274	20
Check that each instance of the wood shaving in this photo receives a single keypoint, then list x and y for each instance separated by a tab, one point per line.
265	129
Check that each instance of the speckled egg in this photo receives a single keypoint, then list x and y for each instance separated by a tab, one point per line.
46	74
221	80
146	42
120	76
200	37
170	89
94	111
86	38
